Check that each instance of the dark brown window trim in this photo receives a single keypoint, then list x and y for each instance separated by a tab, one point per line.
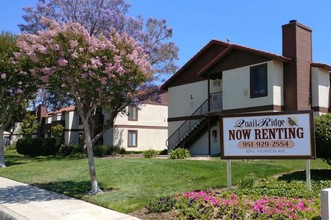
132	146
265	68
130	118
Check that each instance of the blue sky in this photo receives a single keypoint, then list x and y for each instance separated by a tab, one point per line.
252	23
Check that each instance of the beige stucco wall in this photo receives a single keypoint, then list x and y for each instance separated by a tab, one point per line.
320	87
200	147
236	87
147	139
185	99
151	127
71	136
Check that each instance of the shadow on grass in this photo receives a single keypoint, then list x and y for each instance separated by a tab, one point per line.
316	174
75	189
16	159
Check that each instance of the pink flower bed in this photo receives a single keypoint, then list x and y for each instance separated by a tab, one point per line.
209	205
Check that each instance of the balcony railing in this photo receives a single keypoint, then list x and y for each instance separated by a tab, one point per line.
189	125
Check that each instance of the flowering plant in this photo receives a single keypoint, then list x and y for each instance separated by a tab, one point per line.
227	205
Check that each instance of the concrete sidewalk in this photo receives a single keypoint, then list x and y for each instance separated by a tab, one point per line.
21	201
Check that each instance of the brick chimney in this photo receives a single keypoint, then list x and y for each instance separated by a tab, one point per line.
42	112
297	45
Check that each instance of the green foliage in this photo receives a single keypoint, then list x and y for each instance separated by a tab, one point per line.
150	153
246	183
29	125
179	153
140	180
101	150
164	204
117	150
164	152
323	137
37	146
73	150
281	188
11	147
16	84
57	132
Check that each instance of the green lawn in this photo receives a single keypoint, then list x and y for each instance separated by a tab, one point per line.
128	184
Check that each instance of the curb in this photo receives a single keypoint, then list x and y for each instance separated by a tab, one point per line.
8	214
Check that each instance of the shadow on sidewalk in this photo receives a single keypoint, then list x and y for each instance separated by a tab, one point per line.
26	193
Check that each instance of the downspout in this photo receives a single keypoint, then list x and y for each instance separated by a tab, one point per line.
208	118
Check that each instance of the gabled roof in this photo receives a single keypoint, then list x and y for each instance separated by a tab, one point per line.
228	49
233	47
193	59
321	65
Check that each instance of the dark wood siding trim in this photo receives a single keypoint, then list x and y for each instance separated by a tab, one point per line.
141	126
230	111
185	118
320	109
254	109
74	130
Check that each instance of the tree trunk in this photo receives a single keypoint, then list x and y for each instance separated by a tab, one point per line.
2	148
94	183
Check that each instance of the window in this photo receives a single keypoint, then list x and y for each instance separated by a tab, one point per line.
259	81
133	113
132	138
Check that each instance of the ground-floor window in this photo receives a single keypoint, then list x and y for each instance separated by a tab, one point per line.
132	138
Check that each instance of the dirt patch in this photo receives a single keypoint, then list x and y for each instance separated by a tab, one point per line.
144	215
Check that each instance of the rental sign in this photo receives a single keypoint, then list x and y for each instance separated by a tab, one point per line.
282	135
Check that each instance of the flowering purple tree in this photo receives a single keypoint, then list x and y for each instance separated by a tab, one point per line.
96	71
17	86
101	17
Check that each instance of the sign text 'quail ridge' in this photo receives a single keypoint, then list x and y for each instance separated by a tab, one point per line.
268	135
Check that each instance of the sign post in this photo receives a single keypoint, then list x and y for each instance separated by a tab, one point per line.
308	178
228	174
268	135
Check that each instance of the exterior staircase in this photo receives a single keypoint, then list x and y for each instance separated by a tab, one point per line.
190	129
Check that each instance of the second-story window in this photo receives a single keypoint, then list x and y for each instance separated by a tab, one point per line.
133	113
259	81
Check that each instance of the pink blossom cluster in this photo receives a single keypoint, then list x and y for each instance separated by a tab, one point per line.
83	49
263	208
205	196
280	206
67	57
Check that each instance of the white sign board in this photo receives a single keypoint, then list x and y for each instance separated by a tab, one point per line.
280	135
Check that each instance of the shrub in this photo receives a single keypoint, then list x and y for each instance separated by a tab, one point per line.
117	150
164	152
323	137
179	153
164	204
71	150
150	153
246	183
101	150
29	125
58	132
37	146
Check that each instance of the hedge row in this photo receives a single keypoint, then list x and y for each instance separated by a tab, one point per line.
37	146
